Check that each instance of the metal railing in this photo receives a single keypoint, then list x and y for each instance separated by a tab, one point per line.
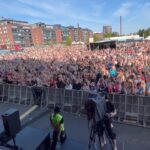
130	109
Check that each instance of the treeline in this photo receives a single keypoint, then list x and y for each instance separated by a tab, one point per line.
113	34
144	32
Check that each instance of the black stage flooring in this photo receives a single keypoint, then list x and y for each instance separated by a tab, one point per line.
129	137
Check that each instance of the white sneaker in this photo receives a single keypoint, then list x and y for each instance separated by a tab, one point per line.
115	148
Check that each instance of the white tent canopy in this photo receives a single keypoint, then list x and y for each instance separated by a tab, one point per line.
148	38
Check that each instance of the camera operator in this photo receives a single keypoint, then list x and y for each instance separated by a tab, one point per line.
110	113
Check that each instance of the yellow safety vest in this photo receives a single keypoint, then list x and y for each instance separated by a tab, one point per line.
56	121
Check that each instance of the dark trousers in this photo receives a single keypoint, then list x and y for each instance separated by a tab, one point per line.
55	139
109	129
37	95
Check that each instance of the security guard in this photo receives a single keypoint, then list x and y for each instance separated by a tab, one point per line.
57	123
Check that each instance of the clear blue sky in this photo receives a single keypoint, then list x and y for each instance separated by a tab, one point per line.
88	13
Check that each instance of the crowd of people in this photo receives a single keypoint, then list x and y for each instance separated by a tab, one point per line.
124	70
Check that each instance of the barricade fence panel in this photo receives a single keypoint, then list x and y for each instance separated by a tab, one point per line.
1	93
130	109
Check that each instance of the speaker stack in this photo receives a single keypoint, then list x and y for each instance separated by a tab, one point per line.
26	139
11	122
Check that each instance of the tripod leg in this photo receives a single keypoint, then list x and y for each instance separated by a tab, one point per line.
99	139
92	137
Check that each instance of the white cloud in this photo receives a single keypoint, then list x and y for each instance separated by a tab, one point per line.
64	10
22	10
139	18
123	10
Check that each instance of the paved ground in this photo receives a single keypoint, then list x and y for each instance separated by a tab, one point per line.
130	137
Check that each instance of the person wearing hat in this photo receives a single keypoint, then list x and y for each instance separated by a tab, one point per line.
57	123
110	113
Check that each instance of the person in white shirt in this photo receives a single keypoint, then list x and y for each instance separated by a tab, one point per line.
68	86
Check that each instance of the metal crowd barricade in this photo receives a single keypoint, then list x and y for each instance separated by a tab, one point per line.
44	97
130	109
85	96
76	101
59	97
119	103
5	92
51	97
146	114
11	93
1	92
16	94
29	96
68	100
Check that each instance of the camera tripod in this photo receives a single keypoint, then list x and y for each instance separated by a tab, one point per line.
92	137
98	129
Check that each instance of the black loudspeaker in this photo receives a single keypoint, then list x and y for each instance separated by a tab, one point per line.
32	139
11	122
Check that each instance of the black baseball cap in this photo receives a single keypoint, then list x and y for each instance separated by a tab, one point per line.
57	109
106	97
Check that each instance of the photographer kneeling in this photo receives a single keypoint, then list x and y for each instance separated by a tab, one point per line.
110	113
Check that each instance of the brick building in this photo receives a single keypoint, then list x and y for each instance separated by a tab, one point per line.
71	32
43	34
37	35
13	32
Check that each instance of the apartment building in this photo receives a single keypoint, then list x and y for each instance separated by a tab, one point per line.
43	34
14	32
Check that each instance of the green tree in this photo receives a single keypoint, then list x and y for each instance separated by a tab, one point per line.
47	42
148	32
114	34
68	41
108	35
95	37
144	33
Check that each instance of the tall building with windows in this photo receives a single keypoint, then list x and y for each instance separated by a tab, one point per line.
14	32
43	34
86	34
76	35
37	34
107	29
64	33
71	32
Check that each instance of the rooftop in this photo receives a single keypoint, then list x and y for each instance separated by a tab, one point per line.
13	21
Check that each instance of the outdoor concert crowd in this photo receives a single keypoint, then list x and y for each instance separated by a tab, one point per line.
124	70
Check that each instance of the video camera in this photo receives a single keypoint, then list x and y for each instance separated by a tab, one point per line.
95	106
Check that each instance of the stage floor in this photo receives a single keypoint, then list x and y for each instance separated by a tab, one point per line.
130	137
